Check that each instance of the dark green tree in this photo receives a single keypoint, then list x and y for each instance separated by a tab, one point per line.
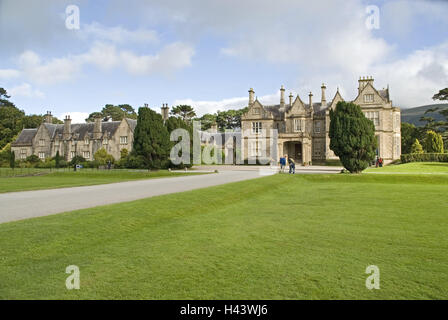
409	133
12	159
151	139
207	120
441	95
230	119
183	111
114	113
57	159
11	119
174	123
352	136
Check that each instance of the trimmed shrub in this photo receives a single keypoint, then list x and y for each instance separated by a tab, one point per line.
424	157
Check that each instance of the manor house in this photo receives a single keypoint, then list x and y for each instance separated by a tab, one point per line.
303	128
79	139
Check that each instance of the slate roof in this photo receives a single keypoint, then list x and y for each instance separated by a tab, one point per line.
279	112
384	94
79	131
25	138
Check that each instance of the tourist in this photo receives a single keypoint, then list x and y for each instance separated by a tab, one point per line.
282	163
292	166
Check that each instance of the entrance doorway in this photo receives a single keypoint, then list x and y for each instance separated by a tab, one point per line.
293	149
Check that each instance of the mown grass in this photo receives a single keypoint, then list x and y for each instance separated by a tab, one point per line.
414	167
277	237
83	177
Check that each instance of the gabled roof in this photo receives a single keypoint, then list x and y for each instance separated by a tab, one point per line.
79	131
25	138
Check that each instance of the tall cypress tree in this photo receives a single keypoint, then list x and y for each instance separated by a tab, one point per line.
352	136
151	139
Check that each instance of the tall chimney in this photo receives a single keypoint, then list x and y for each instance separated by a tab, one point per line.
48	118
290	99
165	112
251	96
67	128
324	99
311	100
97	130
282	96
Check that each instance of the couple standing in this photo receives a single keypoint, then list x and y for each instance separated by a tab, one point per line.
292	165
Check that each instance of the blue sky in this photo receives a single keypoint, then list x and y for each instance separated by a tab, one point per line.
209	53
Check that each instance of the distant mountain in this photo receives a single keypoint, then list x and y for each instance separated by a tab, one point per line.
413	115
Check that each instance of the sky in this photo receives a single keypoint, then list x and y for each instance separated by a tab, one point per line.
209	53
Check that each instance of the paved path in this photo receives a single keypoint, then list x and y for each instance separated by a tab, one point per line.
29	204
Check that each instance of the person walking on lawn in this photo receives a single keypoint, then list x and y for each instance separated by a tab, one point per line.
292	166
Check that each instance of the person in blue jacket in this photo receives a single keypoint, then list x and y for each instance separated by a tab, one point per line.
282	163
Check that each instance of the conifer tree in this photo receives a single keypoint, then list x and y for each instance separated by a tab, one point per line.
416	147
433	142
352	136
151	139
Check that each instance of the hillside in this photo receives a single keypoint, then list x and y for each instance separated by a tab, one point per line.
413	115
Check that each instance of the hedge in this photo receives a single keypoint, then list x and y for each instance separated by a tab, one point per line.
424	157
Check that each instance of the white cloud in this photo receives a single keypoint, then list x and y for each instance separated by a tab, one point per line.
77	117
118	34
55	70
25	90
169	59
6	74
202	107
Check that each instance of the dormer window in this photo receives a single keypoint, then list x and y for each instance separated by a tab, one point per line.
256	110
368	98
86	141
41	142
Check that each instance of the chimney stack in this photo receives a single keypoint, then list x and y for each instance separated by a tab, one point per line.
165	112
251	96
290	99
282	96
214	127
311	100
67	128
324	99
97	130
48	118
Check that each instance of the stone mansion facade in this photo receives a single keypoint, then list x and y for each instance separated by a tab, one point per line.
80	139
303	128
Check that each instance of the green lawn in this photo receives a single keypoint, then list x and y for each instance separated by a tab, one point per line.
84	177
414	167
278	237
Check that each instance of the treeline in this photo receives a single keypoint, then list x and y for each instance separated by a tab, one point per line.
432	137
13	120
